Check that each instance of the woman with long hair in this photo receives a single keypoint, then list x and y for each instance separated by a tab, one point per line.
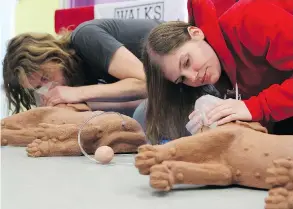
98	63
240	49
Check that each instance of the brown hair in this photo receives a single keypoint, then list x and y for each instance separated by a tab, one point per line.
169	104
26	53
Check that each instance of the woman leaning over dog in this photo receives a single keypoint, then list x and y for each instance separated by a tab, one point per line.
240	48
103	51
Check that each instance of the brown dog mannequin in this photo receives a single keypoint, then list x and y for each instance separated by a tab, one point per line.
236	153
53	131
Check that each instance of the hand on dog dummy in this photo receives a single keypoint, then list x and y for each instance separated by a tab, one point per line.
78	107
197	118
39	95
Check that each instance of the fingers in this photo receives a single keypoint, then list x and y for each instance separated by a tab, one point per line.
191	115
283	163
277	171
162	185
277	199
52	97
53	101
280	173
161	178
50	100
280	191
146	147
145	164
216	113
145	160
193	122
227	119
196	128
193	125
221	113
159	168
278	180
43	100
145	155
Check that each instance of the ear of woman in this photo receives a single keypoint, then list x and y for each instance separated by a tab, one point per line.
195	33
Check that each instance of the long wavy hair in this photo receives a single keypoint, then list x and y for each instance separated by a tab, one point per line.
169	104
26	53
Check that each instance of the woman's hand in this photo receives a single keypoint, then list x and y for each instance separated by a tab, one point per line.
195	122
228	110
62	95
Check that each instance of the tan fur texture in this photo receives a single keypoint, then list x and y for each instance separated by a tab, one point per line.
52	131
236	153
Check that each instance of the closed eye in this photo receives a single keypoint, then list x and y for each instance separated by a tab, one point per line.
186	63
182	79
179	80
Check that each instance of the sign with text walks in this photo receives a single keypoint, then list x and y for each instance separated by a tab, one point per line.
167	10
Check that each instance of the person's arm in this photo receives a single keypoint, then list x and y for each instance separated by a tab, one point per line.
132	86
270	34
102	51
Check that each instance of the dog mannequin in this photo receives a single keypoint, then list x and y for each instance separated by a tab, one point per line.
52	131
239	153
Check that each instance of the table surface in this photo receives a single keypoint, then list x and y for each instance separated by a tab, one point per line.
78	183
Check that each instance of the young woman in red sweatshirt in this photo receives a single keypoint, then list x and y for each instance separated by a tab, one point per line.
245	45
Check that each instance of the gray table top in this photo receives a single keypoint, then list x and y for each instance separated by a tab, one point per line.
78	183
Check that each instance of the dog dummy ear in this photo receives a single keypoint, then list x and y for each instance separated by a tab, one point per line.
253	125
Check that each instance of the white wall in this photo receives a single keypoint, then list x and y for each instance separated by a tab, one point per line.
7	22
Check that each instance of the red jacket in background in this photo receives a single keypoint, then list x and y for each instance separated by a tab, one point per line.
254	42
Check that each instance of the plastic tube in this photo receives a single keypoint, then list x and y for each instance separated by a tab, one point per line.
79	138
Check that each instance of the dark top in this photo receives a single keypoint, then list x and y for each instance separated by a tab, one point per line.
97	40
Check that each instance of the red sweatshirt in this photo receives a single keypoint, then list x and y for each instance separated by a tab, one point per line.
254	42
